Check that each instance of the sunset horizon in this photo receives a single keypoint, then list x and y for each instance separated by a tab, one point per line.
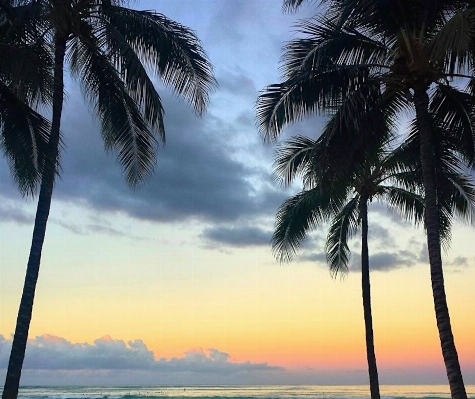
175	282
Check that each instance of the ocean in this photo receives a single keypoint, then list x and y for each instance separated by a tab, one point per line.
239	392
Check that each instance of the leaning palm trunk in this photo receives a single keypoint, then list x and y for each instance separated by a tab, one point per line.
449	352
17	354
12	381
366	292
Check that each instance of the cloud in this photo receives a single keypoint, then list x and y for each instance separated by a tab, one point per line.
214	361
237	236
389	261
384	261
383	210
380	233
312	248
196	175
320	258
380	261
56	353
459	261
212	170
97	225
457	264
423	256
236	81
49	352
53	361
10	212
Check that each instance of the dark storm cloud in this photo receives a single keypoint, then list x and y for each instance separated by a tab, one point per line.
195	176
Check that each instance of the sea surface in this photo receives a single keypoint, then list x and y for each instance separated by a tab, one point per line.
240	392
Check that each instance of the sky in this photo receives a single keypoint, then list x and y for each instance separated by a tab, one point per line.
176	283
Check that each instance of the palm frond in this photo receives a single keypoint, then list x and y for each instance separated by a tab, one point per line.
455	195
445	227
133	73
386	17
343	227
292	158
362	112
26	57
307	94
326	44
454	110
453	42
171	49
409	205
402	165
354	135
297	216
292	5
463	197
122	124
321	72
24	139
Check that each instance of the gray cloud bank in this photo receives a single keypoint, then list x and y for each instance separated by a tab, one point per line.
52	360
200	175
48	352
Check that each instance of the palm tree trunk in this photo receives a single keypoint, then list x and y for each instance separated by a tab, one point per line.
449	352
366	292
17	355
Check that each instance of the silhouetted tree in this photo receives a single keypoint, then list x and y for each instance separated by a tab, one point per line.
413	51
109	48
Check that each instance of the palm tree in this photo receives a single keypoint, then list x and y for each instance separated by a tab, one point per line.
414	52
344	201
109	49
392	177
